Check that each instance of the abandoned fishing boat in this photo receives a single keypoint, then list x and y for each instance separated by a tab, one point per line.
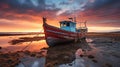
65	34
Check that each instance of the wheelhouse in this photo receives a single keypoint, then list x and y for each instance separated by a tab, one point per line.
68	25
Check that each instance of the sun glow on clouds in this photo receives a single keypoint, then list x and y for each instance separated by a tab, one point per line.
19	25
26	15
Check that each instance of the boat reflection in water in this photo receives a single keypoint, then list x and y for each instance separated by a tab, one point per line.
66	54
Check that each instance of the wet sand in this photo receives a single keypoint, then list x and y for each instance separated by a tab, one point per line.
101	51
23	59
63	54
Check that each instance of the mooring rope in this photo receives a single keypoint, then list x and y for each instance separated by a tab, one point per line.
27	46
30	42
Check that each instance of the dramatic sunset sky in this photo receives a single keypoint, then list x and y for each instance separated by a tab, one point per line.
26	15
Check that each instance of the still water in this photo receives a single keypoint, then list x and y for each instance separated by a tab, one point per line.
9	47
34	46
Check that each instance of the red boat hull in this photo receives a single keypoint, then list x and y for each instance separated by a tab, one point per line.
55	36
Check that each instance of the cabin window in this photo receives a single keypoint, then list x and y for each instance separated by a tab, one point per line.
64	24
68	24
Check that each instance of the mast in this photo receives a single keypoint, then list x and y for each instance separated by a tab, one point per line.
85	24
74	15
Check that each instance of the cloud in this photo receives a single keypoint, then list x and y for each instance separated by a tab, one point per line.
35	2
26	9
102	9
98	4
97	12
21	6
64	3
70	6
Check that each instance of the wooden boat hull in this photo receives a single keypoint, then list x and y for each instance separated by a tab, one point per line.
55	36
51	41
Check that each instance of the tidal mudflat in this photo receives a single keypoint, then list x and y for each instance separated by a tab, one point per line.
98	50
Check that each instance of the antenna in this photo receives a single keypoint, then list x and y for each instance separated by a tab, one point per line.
74	13
74	19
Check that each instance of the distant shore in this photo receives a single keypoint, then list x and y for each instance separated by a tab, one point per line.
103	34
19	33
